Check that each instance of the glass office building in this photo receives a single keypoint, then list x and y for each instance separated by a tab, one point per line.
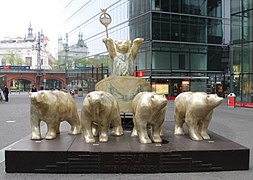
183	44
242	50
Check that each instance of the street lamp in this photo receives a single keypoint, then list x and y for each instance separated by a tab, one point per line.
105	19
66	51
37	47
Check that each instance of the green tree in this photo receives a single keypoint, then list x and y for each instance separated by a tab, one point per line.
83	62
96	62
13	59
56	64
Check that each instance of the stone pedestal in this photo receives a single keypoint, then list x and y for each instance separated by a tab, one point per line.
124	154
124	89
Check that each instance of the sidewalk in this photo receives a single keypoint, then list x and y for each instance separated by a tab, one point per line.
235	124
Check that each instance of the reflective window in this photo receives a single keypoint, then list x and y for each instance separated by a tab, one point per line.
247	25
247	4
139	7
156	26
198	85
175	57
175	27
198	61
236	28
140	27
143	59
214	31
83	16
242	50
214	8
166	27
235	6
195	7
183	28
156	5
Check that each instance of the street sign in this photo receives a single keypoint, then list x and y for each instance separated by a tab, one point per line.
15	67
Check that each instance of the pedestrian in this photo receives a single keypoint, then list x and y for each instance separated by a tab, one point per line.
1	95
34	89
6	93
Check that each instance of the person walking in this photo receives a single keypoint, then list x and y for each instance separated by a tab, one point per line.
6	93
34	89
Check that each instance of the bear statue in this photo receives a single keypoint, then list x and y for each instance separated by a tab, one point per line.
195	109
122	55
52	107
148	109
99	110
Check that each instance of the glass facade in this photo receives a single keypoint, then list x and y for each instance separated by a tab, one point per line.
83	16
182	38
242	50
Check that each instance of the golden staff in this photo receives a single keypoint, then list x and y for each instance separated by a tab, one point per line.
105	19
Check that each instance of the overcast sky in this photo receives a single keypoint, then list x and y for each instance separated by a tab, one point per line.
48	15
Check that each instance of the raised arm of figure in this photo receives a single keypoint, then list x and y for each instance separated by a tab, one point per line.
135	47
110	47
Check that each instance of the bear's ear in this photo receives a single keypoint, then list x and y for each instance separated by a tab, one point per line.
208	97
128	44
152	97
88	96
116	42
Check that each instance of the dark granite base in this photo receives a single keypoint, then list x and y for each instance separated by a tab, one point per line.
69	154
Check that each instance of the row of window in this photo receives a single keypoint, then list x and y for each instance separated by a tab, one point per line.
180	57
242	50
194	7
242	27
239	5
169	27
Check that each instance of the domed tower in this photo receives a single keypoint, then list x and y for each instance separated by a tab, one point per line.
80	42
30	36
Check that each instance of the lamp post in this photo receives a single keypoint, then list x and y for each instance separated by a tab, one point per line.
37	47
105	19
66	52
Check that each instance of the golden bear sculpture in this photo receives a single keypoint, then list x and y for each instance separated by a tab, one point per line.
122	55
148	109
195	109
52	107
99	110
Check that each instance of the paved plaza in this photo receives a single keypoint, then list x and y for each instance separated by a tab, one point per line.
235	124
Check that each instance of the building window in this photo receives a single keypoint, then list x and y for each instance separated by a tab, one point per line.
181	61
28	61
156	5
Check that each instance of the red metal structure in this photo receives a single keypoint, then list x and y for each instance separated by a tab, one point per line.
32	76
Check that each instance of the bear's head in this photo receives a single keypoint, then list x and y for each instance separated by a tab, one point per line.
213	100
37	97
40	97
158	101
95	98
122	46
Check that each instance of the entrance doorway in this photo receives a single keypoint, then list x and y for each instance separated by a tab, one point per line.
175	87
